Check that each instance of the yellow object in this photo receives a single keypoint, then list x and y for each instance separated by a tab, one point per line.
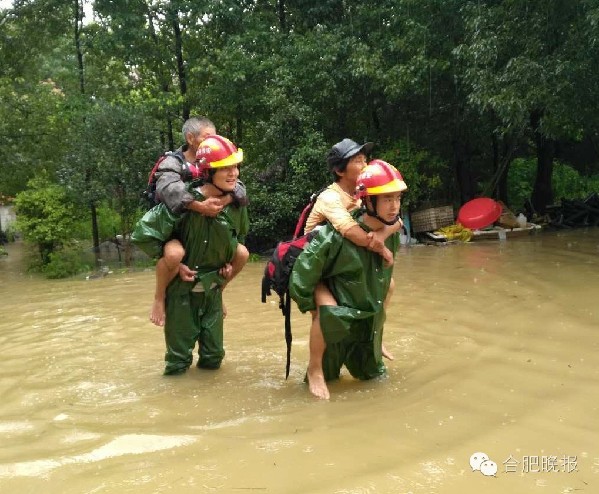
455	232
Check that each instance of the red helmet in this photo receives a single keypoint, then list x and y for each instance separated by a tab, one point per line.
379	177
217	152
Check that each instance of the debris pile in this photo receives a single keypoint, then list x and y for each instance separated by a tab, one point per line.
575	213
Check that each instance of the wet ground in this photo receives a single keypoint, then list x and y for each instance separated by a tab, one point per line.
496	352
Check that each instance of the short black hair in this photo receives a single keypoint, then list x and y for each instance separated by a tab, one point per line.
339	166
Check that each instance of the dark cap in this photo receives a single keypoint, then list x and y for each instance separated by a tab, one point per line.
346	149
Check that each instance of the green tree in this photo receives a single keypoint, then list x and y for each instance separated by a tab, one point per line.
32	132
33	107
117	148
468	85
527	63
45	217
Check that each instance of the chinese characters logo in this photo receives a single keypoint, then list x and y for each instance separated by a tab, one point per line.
526	464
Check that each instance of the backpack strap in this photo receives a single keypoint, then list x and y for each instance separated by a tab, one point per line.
151	176
301	222
266	284
286	307
178	155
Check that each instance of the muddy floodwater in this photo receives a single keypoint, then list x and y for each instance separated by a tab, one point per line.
496	349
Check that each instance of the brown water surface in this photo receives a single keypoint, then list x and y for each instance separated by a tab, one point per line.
496	351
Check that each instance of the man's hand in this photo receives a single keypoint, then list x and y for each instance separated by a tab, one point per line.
373	241
186	274
387	257
377	243
208	207
226	271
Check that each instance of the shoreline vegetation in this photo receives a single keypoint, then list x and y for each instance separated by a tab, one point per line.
80	263
465	99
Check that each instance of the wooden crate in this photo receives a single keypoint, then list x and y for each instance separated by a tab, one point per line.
432	219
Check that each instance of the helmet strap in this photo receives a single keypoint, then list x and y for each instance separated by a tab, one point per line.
223	192
374	214
210	182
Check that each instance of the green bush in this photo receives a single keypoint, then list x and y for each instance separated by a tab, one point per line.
566	181
109	222
65	262
520	181
44	216
11	232
279	193
569	184
429	178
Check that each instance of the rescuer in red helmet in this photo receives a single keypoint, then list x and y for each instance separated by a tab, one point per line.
335	204
170	185
357	278
193	305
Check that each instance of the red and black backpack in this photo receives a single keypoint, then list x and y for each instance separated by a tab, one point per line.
149	194
278	270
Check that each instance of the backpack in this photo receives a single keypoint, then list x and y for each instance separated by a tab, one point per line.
278	270
149	194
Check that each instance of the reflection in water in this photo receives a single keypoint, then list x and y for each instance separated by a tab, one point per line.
495	350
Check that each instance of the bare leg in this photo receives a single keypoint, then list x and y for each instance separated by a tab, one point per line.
239	260
167	268
316	382
385	352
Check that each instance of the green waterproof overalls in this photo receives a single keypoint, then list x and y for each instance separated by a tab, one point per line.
197	315
352	330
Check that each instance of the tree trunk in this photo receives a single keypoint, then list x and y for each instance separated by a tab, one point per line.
463	175
501	167
168	140
239	128
180	64
171	137
542	194
78	11
95	233
78	6
376	122
281	13
127	245
502	184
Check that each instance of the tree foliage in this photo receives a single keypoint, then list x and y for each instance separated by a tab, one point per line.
44	216
527	64
450	91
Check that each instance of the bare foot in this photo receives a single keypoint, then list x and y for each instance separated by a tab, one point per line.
157	313
317	385
386	353
224	310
